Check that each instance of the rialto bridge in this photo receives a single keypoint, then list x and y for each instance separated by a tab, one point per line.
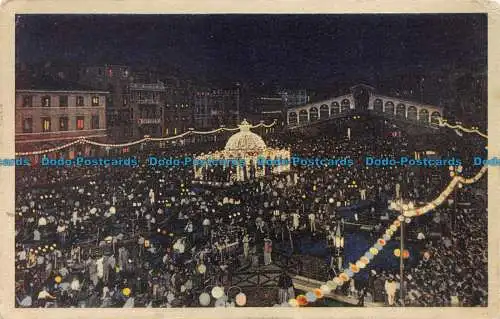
364	99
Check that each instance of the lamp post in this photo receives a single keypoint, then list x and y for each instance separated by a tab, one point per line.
401	206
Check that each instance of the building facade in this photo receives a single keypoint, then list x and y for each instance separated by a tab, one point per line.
50	118
216	107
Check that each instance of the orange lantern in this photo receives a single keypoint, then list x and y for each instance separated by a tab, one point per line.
302	300
406	254
354	268
344	277
318	293
381	242
397	223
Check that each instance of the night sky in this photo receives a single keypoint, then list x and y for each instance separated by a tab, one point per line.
308	49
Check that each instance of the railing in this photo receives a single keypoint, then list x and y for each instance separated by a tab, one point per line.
147	87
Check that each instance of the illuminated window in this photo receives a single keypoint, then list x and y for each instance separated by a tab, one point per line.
45	124
46	101
80	101
28	125
63	101
95	122
80	125
27	101
175	130
95	101
63	123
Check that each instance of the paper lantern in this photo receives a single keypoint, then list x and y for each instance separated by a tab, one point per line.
378	246
364	260
337	282
302	300
217	292
202	268
318	293
368	255
393	228
344	277
374	251
58	279
332	284
241	299
381	242
126	292
325	289
397	252
397	223
311	297
386	237
406	254
355	268
204	299
349	272
293	302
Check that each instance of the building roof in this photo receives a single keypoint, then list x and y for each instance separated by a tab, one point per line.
49	83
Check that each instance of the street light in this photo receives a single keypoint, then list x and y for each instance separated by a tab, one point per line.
401	206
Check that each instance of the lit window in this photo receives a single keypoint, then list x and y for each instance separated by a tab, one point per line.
46	101
80	125
28	125
63	124
95	101
80	101
46	124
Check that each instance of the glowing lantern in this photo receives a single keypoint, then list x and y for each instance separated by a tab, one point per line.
374	251
241	299
381	242
302	300
293	302
318	293
397	252
344	277
406	254
325	289
58	279
364	260
204	299
202	268
217	292
126	292
355	268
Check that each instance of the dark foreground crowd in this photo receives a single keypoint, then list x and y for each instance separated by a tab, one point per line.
146	237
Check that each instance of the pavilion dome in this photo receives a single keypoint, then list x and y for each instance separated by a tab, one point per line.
245	140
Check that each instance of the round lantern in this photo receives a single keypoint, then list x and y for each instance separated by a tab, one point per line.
325	289
393	228
374	251
344	277
217	292
202	268
349	272
355	268
293	302
337	281
406	254
302	300
381	242
318	293
397	252
204	299
377	246
364	260
311	297
58	279
241	299
397	223
368	255
126	292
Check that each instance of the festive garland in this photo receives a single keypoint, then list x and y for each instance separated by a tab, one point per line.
83	140
348	273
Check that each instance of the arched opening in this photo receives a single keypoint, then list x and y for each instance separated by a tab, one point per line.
378	105
401	110
435	117
412	113
313	114
423	116
303	117
345	105
389	107
292	119
335	108
324	112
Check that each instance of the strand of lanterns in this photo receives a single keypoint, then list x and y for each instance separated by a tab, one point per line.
83	140
408	211
444	123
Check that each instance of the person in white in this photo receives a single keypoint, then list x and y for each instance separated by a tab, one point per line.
296	220
151	196
312	222
398	188
390	290
206	227
246	246
362	193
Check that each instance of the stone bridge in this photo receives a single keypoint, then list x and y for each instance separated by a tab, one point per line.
361	99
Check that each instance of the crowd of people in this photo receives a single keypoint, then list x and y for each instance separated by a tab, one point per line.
153	237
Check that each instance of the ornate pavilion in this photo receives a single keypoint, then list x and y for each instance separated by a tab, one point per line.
248	148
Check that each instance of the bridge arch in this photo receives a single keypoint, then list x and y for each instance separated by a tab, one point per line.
292	119
412	113
378	105
335	108
313	114
423	116
303	117
324	111
389	107
345	105
435	117
401	110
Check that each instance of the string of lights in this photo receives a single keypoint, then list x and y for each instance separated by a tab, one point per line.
83	140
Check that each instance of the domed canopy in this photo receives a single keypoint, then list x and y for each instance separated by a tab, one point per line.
245	140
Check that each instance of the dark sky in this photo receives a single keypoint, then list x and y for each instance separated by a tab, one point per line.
310	49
